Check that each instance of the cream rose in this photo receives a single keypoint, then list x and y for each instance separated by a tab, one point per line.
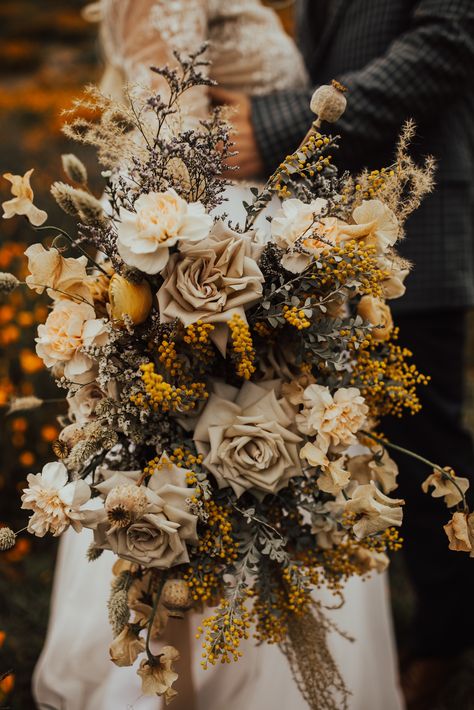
293	224
334	418
211	281
69	327
247	439
160	220
378	314
157	524
48	269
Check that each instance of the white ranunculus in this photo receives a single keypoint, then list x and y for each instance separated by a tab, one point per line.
69	327
54	501
160	220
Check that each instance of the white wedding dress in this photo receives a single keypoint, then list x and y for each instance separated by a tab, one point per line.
250	52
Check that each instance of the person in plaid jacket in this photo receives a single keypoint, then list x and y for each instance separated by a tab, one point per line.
403	59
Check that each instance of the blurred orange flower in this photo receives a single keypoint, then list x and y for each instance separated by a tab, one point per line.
30	362
21	549
26	458
7	684
49	433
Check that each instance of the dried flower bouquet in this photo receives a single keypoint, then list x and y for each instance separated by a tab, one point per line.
225	386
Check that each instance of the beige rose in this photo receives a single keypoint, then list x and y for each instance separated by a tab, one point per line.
155	533
48	269
69	327
293	226
378	314
334	418
460	532
158	678
247	439
444	487
126	647
374	511
211	281
22	201
160	220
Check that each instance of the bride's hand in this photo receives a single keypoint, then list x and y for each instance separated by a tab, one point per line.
248	159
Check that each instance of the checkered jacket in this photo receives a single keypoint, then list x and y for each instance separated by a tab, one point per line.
398	59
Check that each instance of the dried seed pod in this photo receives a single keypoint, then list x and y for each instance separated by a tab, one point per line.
129	299
328	102
74	168
176	597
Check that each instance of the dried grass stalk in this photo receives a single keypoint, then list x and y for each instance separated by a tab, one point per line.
313	667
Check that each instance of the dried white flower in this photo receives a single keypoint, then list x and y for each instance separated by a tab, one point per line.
23	404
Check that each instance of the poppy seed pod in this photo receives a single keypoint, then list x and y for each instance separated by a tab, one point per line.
328	102
175	597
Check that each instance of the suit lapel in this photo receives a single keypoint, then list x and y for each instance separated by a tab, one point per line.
335	13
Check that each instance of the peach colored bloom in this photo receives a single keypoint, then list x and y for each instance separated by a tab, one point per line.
22	202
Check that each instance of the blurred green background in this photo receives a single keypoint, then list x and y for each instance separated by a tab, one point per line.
47	54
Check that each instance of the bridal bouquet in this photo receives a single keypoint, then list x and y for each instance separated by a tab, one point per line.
225	382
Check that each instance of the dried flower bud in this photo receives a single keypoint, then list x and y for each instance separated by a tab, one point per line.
23	404
328	102
7	539
129	299
93	553
8	282
175	597
89	208
74	168
60	449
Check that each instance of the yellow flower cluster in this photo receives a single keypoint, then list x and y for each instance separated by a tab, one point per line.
197	336
216	541
374	183
272	613
352	261
168	357
386	381
160	394
302	162
296	317
223	631
242	347
262	329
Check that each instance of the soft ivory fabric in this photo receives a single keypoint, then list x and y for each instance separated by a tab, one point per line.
75	673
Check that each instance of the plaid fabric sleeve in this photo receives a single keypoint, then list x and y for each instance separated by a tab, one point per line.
427	66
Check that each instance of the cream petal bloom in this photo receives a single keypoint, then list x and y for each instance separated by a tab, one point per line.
365	468
377	224
443	487
48	269
55	502
247	440
69	327
160	220
157	679
334	418
294	223
460	532
376	312
126	647
22	202
374	510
